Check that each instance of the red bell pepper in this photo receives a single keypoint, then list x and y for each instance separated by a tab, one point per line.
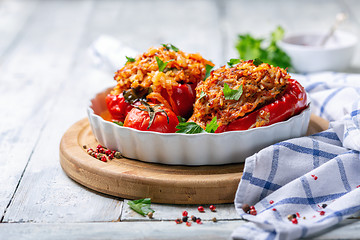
292	102
181	100
117	106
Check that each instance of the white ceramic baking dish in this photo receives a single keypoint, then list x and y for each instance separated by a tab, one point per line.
190	149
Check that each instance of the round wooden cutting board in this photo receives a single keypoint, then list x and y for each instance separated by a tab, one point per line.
133	179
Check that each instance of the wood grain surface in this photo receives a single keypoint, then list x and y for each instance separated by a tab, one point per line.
133	179
47	76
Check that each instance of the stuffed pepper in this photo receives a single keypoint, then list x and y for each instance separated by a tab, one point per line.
158	84
248	95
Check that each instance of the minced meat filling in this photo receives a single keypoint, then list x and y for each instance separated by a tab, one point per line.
144	72
261	84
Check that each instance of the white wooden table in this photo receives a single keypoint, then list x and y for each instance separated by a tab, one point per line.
47	77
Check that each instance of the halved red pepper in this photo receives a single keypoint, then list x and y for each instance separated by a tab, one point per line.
181	99
117	106
181	102
292	102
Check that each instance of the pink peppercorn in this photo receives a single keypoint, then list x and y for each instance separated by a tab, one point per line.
322	213
185	213
201	209
274	209
294	221
212	208
271	202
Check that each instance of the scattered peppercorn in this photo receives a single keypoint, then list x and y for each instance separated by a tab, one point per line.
324	205
304	218
214	219
298	215
294	221
315	177
102	153
245	207
212	208
253	212
117	155
150	214
274	209
271	202
185	213
252	207
185	218
178	221
322	213
188	224
198	221
294	215
193	218
201	209
290	217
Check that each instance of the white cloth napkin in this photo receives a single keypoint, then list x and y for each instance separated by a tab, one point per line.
315	177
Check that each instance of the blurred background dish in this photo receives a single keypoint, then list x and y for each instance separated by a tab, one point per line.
309	55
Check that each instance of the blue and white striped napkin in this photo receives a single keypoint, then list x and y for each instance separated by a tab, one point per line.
317	178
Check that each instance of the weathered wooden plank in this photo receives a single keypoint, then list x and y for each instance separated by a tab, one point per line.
190	25
170	212
349	229
43	202
30	80
119	230
14	15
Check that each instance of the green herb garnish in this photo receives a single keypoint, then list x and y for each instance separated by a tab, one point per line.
129	59
208	71
181	119
250	48
118	123
161	64
194	128
170	46
202	94
141	206
212	126
257	61
233	61
189	128
231	94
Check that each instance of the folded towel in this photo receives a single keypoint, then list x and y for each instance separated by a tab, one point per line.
315	179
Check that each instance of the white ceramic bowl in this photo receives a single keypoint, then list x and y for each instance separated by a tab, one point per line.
190	149
307	55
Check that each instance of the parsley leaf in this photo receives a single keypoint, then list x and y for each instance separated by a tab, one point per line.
212	126
118	123
231	94
208	71
193	128
170	46
233	61
249	48
257	61
202	94
141	206
161	64
189	128
181	119
129	59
